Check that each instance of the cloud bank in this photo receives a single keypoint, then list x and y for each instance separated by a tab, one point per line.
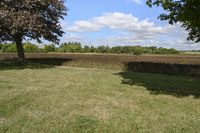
119	21
135	31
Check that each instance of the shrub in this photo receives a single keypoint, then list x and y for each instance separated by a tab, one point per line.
137	50
72	47
30	48
9	48
49	48
85	49
92	49
116	49
103	49
173	51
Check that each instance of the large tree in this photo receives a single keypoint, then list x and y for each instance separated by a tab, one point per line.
187	12
31	19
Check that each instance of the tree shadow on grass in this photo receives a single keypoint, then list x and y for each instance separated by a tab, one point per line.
31	63
178	86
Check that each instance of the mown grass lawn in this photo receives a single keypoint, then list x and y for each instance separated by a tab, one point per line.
80	100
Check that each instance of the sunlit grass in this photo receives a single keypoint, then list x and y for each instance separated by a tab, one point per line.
64	99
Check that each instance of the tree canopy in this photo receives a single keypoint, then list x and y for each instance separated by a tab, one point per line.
31	19
187	12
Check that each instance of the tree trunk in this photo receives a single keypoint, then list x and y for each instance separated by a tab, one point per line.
20	49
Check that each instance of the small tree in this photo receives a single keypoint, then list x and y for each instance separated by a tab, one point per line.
103	49
30	48
85	49
92	49
32	19
49	48
71	47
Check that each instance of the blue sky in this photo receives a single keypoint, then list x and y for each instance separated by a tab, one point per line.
121	22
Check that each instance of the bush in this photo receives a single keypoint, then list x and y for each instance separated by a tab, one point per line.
103	49
9	48
85	49
92	49
116	50
137	52
49	48
71	47
30	48
173	51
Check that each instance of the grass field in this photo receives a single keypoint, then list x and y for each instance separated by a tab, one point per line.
83	100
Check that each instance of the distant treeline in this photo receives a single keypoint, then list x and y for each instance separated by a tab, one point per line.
76	47
193	51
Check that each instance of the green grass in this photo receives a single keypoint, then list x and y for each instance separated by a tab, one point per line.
83	100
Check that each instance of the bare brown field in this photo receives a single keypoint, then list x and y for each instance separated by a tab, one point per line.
162	64
117	58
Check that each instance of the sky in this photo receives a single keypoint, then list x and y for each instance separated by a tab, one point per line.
121	23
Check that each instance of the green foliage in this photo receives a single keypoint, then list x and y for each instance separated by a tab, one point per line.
31	19
187	12
10	48
92	49
30	48
72	47
103	49
116	49
75	47
137	51
49	48
85	49
24	18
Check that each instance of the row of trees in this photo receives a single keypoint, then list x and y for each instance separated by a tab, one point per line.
76	47
38	20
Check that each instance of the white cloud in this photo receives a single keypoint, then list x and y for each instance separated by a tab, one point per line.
136	1
117	21
133	31
84	26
